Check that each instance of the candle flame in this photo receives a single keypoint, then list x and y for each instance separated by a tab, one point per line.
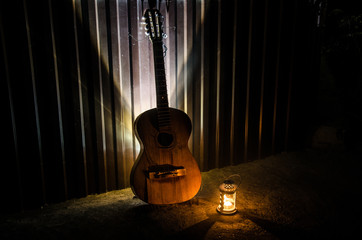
228	202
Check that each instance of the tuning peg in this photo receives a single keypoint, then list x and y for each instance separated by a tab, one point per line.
164	35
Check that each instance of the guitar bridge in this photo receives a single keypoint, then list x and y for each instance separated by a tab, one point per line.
160	172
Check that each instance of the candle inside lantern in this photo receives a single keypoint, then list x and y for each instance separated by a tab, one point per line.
227	197
228	203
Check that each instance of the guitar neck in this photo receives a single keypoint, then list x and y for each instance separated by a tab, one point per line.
163	113
160	75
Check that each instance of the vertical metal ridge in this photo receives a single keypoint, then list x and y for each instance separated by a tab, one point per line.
232	120
80	93
114	178
263	78
35	101
248	82
121	143
292	52
12	116
218	76
176	54
191	29
122	118
185	57
134	152
193	85
103	128
59	104
202	85
277	66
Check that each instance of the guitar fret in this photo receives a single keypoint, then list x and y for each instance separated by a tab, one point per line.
163	111
164	121
164	117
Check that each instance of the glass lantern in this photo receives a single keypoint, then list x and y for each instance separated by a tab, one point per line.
227	203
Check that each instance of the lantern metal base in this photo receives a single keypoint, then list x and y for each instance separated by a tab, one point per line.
226	212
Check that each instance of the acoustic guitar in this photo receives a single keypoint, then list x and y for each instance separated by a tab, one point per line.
165	171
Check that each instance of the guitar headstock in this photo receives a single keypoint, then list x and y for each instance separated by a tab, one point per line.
153	20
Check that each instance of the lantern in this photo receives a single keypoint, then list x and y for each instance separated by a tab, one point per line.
227	203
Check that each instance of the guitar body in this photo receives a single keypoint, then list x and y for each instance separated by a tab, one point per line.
165	171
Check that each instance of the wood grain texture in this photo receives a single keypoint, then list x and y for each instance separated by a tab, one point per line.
170	190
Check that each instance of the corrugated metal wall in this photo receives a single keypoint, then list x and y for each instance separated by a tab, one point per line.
76	73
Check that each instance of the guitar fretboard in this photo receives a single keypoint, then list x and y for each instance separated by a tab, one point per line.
163	112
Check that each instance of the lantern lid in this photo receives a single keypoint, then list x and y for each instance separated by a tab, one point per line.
228	186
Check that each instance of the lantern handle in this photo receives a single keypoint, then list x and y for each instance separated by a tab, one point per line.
234	175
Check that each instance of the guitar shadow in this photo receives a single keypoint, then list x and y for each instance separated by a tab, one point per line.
164	221
201	229
196	231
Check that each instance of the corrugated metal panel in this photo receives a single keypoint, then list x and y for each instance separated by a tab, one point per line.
78	73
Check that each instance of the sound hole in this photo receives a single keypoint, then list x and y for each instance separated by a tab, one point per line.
165	139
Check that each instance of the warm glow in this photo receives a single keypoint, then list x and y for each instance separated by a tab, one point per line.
228	203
